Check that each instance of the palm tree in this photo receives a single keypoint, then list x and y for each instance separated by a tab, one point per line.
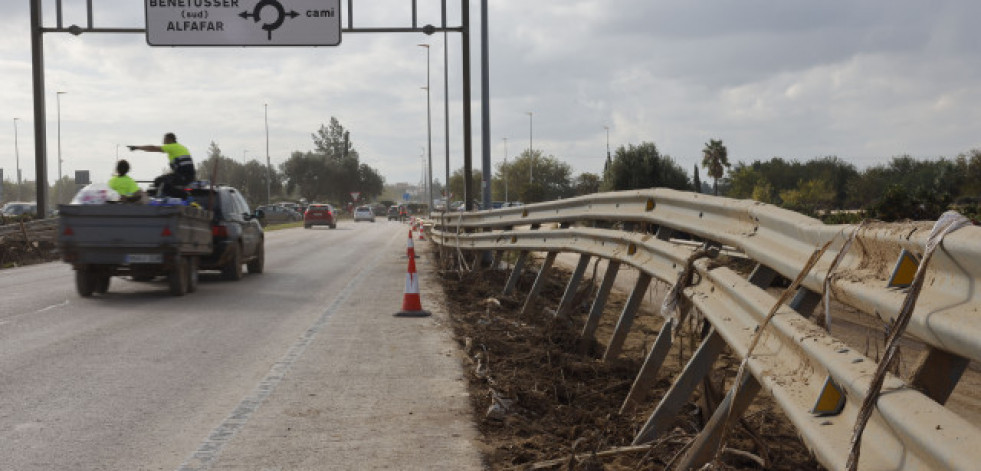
715	158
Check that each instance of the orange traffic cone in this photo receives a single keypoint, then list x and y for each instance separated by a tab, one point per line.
421	237
410	251
411	303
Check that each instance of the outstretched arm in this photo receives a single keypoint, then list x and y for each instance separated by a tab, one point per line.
145	148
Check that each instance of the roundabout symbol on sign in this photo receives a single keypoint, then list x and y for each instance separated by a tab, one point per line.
280	15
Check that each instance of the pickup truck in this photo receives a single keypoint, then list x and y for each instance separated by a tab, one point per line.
141	241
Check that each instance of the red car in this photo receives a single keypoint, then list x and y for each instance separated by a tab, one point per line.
319	215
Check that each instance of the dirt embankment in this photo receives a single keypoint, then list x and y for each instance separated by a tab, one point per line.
545	400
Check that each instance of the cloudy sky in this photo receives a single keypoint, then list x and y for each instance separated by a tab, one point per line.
865	81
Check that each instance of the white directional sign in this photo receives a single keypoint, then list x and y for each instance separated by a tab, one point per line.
243	22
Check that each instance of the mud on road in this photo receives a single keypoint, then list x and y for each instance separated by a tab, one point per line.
543	399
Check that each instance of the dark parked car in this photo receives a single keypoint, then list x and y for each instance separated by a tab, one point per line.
320	215
277	214
235	231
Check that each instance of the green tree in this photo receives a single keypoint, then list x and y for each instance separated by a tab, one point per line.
697	186
587	183
715	159
642	166
809	196
456	184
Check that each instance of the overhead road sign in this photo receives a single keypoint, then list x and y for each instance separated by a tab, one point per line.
243	22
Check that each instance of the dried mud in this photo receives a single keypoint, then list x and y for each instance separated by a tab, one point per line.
544	399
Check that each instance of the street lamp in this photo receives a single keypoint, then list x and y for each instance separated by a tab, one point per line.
58	100
17	157
607	141
505	169
531	147
265	107
429	130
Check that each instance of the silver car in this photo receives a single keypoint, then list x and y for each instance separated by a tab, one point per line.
363	213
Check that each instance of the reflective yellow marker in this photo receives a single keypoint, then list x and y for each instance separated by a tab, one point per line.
902	275
831	400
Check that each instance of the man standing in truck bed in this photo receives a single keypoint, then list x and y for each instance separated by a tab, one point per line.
181	166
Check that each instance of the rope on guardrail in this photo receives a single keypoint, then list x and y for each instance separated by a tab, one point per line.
669	307
831	273
784	297
948	222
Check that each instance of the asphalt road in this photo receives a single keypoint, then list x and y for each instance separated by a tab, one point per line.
301	367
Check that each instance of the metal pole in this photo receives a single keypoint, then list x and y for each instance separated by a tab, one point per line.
58	100
467	136
504	171
265	107
607	140
485	136
531	147
429	130
446	104
17	157
40	130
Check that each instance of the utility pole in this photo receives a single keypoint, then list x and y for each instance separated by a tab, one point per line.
265	107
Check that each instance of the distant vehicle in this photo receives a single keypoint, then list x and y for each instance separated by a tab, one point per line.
497	204
278	214
18	210
513	204
393	213
363	213
320	215
379	209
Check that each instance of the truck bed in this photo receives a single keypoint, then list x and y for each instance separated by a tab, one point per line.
129	234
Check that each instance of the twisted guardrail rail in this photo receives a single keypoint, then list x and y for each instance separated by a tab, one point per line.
795	359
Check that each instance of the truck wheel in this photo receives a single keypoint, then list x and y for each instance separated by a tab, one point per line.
232	271
258	263
84	282
177	277
192	274
101	283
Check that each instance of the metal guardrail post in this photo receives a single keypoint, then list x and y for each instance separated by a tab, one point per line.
573	287
762	276
539	280
805	301
589	329
519	268
627	316
707	443
937	373
696	369
652	365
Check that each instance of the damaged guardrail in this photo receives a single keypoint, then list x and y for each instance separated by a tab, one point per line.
796	360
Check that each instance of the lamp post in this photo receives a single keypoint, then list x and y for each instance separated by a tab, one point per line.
531	147
17	157
58	100
505	169
268	164
429	130
607	141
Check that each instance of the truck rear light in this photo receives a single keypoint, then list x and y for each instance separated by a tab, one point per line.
68	231
219	231
166	232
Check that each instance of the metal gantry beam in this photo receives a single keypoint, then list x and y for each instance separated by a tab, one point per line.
37	58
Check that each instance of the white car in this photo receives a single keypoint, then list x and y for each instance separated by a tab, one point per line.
363	213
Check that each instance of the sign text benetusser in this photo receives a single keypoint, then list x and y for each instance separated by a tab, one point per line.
243	22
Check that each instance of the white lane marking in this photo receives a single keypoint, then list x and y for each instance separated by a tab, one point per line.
53	306
209	450
43	309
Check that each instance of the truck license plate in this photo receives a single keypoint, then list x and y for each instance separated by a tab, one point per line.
144	258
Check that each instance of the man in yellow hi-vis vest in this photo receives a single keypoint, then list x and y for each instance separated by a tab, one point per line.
181	166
